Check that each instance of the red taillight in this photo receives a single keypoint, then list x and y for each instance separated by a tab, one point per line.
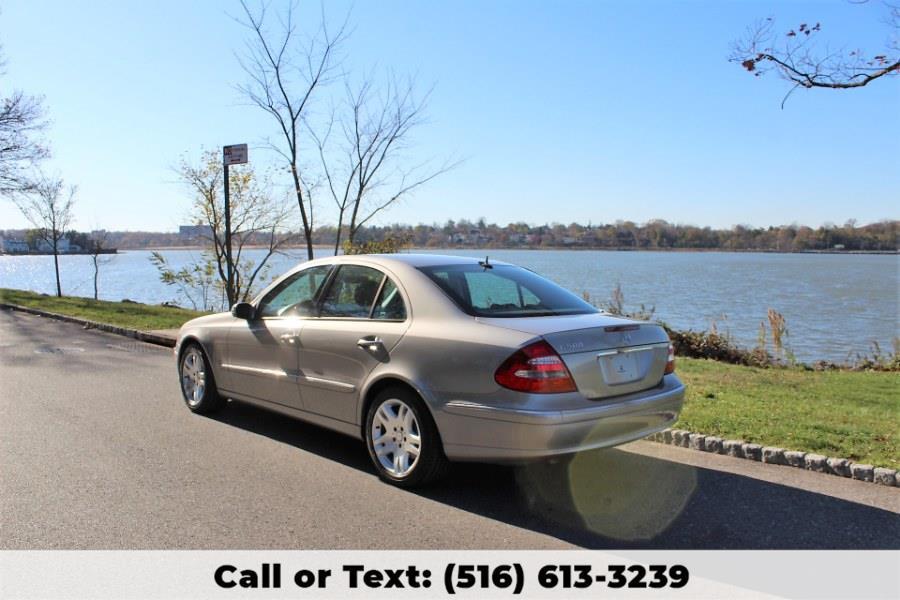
536	369
670	360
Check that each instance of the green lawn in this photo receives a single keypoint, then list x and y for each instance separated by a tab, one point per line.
849	414
854	415
123	314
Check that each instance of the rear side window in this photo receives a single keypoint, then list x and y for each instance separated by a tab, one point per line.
390	305
352	292
505	291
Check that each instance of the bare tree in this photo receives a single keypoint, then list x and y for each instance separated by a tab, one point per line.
258	219
366	168
797	58
48	207
21	122
284	72
99	255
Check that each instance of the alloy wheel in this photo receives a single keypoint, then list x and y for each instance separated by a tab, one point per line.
396	437
193	376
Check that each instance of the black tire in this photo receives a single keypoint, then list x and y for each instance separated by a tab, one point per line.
209	400
431	463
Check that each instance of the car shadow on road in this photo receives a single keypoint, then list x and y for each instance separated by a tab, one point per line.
619	499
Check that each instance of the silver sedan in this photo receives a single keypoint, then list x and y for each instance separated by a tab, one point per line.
431	359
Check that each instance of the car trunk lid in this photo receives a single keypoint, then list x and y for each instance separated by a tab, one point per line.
606	355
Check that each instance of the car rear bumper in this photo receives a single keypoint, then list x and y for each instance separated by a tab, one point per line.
481	432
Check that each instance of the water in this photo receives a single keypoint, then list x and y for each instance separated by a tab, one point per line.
835	305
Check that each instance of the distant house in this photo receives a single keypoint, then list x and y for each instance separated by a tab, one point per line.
13	245
63	246
195	231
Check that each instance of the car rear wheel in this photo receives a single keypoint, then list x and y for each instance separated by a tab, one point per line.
198	387
402	439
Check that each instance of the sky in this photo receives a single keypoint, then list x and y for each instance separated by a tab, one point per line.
562	111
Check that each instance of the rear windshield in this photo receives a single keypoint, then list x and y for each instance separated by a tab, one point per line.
505	291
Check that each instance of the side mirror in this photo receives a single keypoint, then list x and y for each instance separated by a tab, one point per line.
243	310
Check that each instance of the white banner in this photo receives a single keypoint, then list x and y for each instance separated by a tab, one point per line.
444	574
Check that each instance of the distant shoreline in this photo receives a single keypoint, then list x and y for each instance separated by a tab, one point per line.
79	253
486	249
555	248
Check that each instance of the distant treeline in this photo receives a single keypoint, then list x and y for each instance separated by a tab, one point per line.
653	235
657	234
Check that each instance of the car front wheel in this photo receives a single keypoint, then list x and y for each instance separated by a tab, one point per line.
402	439
198	387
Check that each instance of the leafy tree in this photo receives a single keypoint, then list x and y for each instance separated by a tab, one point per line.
197	282
258	218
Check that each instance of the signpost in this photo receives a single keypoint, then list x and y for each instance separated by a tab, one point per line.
235	154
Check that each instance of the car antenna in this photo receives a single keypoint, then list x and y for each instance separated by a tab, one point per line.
485	264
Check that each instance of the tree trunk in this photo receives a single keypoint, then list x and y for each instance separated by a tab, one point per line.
351	230
337	235
56	267
307	225
96	273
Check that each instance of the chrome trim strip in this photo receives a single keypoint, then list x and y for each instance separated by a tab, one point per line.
613	351
327	318
344	387
340	385
257	371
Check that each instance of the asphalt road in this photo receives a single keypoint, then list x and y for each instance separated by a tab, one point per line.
97	451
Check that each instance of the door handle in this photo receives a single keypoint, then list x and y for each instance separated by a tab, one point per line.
291	339
371	343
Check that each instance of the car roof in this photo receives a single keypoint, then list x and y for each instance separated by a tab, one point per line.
398	264
414	260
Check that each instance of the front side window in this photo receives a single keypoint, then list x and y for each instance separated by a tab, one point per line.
504	291
351	292
296	295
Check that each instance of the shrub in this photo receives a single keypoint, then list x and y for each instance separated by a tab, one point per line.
716	346
878	360
389	245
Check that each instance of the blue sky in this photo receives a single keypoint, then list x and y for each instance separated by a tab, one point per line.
564	111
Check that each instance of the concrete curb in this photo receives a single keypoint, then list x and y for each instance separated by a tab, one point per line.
841	467
144	336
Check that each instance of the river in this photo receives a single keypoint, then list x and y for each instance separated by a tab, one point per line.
835	305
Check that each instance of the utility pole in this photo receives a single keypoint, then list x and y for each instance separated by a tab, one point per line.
235	154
